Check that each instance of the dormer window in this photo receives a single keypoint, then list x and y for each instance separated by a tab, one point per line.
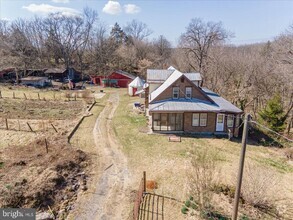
175	92
188	92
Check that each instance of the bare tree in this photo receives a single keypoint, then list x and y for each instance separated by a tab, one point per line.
198	40
137	30
162	48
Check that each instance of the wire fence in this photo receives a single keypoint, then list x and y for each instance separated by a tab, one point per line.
48	95
28	125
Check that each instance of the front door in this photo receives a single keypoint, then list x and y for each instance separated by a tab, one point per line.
220	122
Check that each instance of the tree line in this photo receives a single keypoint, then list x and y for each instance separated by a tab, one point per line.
248	75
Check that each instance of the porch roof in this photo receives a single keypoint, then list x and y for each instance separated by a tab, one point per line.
193	105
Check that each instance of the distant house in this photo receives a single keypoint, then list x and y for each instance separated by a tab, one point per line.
63	74
35	81
179	104
117	78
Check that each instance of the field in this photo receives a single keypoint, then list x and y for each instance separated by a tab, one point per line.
169	164
41	169
93	160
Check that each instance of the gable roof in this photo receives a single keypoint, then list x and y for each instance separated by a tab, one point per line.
129	75
169	81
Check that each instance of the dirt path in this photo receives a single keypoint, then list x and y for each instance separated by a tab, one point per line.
111	198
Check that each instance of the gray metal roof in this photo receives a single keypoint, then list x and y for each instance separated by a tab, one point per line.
154	75
158	75
193	76
195	105
183	105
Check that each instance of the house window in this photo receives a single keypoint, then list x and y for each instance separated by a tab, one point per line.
188	92
230	121
203	119
195	119
199	119
175	92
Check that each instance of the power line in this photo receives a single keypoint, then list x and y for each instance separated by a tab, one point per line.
271	131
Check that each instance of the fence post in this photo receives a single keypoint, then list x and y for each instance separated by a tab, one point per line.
0	95
24	95
54	128
29	127
13	95
6	122
144	181
39	96
47	150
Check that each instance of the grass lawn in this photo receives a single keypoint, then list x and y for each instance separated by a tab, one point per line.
168	162
83	137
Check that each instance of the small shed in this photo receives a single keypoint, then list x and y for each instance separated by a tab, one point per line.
35	81
135	85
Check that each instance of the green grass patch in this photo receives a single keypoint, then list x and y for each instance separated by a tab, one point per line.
278	164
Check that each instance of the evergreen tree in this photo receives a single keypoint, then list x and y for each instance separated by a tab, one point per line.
273	115
118	35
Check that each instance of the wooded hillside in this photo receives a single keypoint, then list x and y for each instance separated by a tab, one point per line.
247	75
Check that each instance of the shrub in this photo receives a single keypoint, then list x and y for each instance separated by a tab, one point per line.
202	176
259	188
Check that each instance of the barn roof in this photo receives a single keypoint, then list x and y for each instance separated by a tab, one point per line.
129	75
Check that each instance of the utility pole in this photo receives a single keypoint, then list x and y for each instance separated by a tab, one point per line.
241	166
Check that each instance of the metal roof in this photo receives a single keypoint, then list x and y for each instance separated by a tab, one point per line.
129	75
193	76
171	79
154	75
195	105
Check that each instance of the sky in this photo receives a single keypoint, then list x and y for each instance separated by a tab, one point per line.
251	21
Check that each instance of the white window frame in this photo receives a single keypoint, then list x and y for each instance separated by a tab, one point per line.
189	89
176	91
230	118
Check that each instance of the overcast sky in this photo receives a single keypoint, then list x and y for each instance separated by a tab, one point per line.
250	21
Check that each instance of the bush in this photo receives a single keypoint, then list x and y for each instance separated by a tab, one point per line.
202	176
259	188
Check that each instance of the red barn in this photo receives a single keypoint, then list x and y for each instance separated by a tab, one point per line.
120	78
117	78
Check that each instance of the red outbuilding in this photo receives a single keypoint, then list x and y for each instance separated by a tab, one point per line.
117	78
